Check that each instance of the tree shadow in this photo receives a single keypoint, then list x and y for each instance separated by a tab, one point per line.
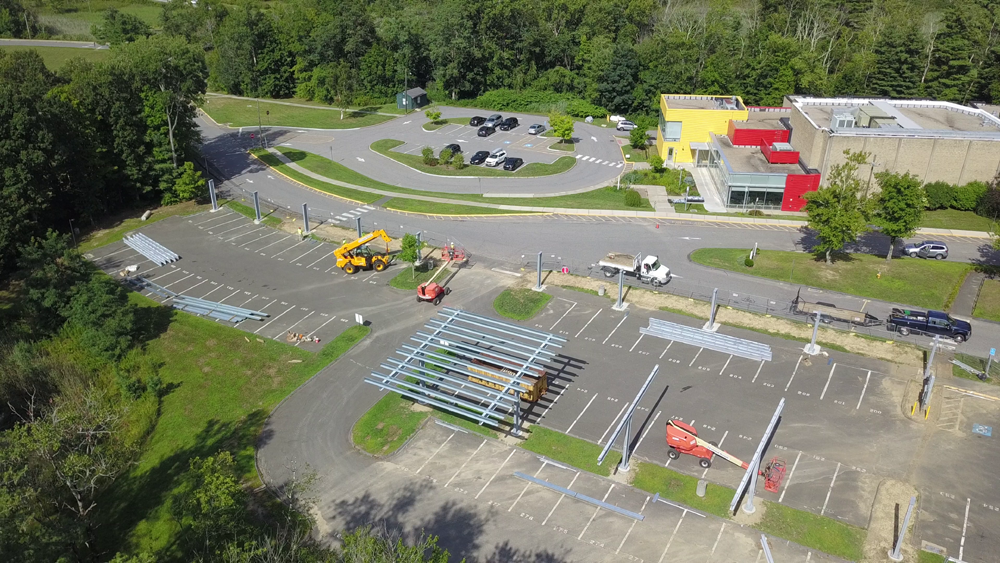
506	553
988	259
367	510
151	322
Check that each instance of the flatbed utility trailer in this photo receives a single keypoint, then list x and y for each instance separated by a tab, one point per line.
830	312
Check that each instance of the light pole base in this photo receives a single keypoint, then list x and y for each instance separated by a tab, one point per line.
538	288
710	327
749	508
256	222
623	306
812	349
895	557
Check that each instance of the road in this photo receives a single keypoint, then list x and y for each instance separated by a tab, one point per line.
51	43
578	242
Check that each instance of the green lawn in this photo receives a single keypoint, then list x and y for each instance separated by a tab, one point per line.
699	209
115	228
670	179
602	198
387	425
221	384
243	113
416	162
568	146
435	125
56	57
574	451
408	279
928	557
435	208
988	304
977	363
75	23
922	283
812	530
672	485
637	155
520	304
247	211
954	219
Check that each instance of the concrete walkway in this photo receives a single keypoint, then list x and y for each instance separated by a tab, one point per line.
706	188
965	301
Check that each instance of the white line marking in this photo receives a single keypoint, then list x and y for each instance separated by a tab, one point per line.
215	218
865	388
830	490
629	532
669	344
311	313
613	422
616	328
594	515
273	243
178	281
251	299
581	414
717	538
217	288
321	326
646	431
230	295
965	526
695	357
495	474
794	371
758	371
262	237
244	234
823	394
563	316
274	319
310	250
790	475
723	370
588	323
291	247
636	342
722	441
324	256
219	234
466	463
672	534
227	222
561	496
445	443
525	489
194	286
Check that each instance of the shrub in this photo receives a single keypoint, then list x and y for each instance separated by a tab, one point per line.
637	138
755	213
445	156
433	115
582	108
458	161
656	163
632	198
989	205
967	197
748	262
939	195
428	154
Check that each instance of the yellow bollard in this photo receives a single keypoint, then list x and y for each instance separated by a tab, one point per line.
914	409
927	413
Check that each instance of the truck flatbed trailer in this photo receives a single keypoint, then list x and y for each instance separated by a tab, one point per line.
830	312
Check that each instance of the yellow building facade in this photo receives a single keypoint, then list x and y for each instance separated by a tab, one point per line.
687	119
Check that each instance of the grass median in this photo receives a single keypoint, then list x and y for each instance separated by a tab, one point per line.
384	147
922	283
574	451
437	208
220	385
248	211
988	303
57	57
435	125
955	219
348	193
520	304
244	113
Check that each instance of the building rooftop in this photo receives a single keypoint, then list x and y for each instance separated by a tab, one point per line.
895	117
762	120
684	101
750	160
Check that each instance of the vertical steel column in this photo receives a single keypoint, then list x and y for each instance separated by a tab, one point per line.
358	219
925	398
256	209
628	436
516	431
754	469
894	553
767	548
420	259
211	195
930	360
621	284
538	285
812	349
305	219
710	326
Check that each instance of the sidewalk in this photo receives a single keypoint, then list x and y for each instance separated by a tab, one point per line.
965	300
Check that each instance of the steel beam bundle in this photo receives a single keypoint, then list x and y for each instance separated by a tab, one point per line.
216	310
710	340
435	368
151	249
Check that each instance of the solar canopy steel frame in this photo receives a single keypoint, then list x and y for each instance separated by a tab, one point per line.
711	340
434	370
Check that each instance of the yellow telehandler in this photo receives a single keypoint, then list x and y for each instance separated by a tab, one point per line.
356	255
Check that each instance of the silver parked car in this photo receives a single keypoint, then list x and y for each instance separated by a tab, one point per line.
536	129
493	120
927	249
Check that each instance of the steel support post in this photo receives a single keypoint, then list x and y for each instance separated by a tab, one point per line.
358	219
895	553
256	209
626	454
930	359
753	468
767	548
989	361
420	259
538	285
626	426
621	288
305	219
211	194
711	325
516	430
812	349
925	399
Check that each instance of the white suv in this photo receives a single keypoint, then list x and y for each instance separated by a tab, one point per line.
496	158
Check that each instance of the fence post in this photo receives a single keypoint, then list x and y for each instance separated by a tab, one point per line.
211	194
305	219
256	209
711	325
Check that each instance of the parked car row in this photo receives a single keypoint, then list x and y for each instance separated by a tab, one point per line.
496	158
490	125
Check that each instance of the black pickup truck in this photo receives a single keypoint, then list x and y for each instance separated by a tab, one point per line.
905	321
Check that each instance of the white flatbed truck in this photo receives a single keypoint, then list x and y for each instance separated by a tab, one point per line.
647	269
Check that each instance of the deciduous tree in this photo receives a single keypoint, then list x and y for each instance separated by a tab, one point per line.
835	210
562	126
898	207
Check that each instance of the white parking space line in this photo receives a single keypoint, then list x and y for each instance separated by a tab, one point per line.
321	258
311	313
271	234
722	441
561	497
794	371
717	538
564	314
466	463
761	366
723	370
245	234
695	357
625	406
215	218
178	281
830	490
790	475
865	388
636	342
310	250
233	229
290	247
643	437
568	430
616	328
554	401
165	274
217	288
823	394
321	326
251	299
965	527
525	489
512	451
127	248
594	515
226	223
672	534
588	323
274	319
273	243
228	296
669	344
629	532
443	444
193	286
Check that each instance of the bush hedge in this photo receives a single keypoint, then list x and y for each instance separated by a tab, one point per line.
974	196
632	198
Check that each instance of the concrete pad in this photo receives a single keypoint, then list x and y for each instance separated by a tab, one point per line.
807	489
734	545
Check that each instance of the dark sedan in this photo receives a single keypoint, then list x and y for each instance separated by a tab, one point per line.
486	131
512	164
477	121
508	124
454	148
479	157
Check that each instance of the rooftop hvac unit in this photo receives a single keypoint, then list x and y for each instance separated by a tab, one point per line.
844	121
729	103
781	147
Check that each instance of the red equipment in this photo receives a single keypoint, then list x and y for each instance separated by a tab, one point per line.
682	438
451	253
431	291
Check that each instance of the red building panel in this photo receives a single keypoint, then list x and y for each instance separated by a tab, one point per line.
754	137
796	186
779	157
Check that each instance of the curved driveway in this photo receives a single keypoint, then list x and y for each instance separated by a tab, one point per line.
597	166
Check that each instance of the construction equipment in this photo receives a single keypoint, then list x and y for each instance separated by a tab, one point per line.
682	438
356	255
528	393
431	291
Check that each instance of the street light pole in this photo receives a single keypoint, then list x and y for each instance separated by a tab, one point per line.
72	231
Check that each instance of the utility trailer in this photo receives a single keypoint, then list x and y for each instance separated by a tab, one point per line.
829	312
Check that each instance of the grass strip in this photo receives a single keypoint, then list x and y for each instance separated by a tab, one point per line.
988	304
928	557
568	146
976	363
247	211
923	283
116	228
437	208
520	304
384	147
246	113
56	57
387	425
347	193
681	488
409	278
580	289
955	219
567	449
812	530
435	125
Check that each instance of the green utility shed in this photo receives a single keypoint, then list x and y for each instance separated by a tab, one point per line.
413	98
